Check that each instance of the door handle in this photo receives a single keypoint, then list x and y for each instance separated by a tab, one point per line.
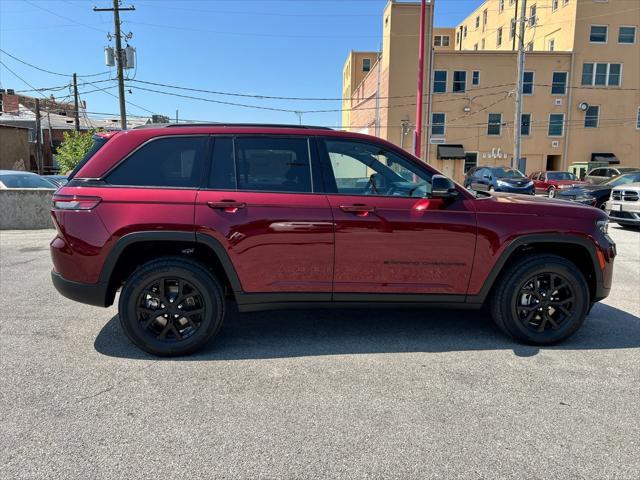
359	209
229	206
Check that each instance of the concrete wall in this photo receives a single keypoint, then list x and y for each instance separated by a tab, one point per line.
25	209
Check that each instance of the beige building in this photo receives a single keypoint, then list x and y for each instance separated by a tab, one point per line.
581	84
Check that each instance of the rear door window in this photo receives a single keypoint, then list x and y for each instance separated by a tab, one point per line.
273	164
172	162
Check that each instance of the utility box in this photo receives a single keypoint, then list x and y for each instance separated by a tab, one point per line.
109	57
129	57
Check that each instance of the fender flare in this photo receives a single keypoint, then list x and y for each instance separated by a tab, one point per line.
555	238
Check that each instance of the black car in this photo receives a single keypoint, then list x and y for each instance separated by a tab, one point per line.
597	195
498	179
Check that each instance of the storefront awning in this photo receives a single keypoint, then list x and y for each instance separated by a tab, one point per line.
451	152
604	157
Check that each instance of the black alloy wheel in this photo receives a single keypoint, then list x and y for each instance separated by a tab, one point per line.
170	309
545	301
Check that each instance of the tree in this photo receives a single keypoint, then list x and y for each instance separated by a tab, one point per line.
74	146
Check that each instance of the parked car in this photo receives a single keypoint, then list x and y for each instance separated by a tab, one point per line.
597	195
274	217
21	179
548	183
58	180
601	175
624	205
499	179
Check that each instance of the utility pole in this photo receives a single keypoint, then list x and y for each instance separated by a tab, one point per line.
517	122
38	138
119	55
299	114
418	132
76	113
176	115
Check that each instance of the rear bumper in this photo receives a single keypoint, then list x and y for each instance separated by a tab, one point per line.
89	293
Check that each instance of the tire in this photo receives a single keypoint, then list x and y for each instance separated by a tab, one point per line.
523	321
491	189
626	226
193	306
552	192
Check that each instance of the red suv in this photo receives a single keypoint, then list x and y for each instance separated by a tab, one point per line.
183	218
548	183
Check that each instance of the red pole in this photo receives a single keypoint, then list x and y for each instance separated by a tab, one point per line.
418	132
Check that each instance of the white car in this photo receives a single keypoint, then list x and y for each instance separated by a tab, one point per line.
623	206
21	179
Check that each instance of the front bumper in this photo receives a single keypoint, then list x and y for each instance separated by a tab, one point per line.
89	293
629	213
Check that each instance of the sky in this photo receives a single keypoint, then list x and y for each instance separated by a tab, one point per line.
290	48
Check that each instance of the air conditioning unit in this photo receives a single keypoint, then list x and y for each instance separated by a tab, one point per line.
555	143
437	141
558	101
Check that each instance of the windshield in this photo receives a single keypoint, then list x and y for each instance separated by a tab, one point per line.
98	142
25	180
624	179
561	176
507	173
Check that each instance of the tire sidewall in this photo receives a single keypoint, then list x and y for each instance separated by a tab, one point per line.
200	278
552	192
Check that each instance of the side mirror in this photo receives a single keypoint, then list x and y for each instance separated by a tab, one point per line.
442	187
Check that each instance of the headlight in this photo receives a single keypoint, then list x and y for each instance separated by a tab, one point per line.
562	187
502	183
603	226
529	184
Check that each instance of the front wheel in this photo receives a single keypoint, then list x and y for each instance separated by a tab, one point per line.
552	192
171	306
541	300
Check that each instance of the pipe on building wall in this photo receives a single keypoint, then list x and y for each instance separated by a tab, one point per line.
429	86
569	110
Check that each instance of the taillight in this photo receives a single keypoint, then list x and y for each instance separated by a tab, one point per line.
75	202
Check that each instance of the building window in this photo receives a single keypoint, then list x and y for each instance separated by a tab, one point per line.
475	77
441	41
532	15
484	19
512	2
457	37
559	83
552	45
366	64
530	47
638	119
465	31
512	28
438	124
565	2
556	125
475	46
598	34
459	81
500	6
478	22
499	37
627	35
554	5
601	74
527	83
483	44
591	116
439	81
525	124
494	124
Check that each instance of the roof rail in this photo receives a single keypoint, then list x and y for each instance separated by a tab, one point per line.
265	125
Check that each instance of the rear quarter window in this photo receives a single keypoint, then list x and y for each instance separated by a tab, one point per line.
163	162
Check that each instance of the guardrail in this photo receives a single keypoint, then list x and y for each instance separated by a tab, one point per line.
25	208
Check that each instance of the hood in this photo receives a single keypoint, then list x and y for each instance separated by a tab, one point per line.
575	183
587	189
539	206
516	181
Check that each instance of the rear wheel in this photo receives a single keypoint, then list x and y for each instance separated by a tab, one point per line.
541	300
171	306
552	192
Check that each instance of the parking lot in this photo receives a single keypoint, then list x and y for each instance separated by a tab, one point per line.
314	394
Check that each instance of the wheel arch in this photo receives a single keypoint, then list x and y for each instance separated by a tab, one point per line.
135	249
579	250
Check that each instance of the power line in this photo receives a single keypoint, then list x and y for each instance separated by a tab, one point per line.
49	71
33	4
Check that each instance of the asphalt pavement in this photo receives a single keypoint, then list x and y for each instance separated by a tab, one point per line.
362	393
